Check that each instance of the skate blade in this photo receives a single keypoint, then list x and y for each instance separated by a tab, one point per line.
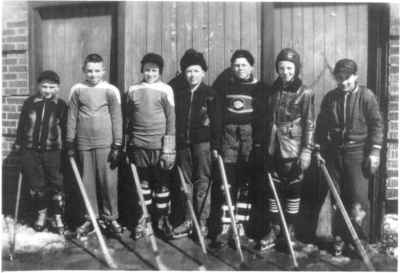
265	248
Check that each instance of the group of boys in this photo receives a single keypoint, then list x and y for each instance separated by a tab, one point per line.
254	127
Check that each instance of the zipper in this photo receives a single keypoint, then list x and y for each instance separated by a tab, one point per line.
188	122
41	124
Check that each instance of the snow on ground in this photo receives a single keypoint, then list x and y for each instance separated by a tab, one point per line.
390	235
27	239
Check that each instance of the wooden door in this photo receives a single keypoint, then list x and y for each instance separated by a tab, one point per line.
67	34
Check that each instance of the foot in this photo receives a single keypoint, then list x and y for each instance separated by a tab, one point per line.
269	240
40	222
85	229
338	247
140	229
114	227
216	243
59	224
164	227
183	230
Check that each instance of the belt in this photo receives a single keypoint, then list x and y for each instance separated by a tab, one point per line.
350	144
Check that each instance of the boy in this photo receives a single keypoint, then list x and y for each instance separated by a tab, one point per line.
350	132
150	129
40	135
194	101
95	126
284	134
236	92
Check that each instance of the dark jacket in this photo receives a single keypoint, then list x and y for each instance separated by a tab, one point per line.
234	103
42	124
192	112
287	118
364	124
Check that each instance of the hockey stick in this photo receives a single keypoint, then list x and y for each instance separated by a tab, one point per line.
230	206
14	233
283	220
345	215
191	209
109	260
146	216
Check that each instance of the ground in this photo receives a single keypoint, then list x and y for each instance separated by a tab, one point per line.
46	251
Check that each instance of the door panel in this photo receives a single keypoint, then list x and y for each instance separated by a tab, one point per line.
69	34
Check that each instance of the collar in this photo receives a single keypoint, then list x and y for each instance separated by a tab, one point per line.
251	80
38	98
292	86
355	90
196	87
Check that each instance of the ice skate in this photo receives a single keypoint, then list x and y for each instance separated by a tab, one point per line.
84	230
59	224
41	220
183	230
269	240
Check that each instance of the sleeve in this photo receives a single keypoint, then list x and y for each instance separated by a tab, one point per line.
308	117
114	104
374	122
216	119
168	104
260	115
72	119
21	123
321	128
63	119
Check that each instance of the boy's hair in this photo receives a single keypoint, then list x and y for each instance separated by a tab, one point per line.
48	76
154	59
92	58
242	53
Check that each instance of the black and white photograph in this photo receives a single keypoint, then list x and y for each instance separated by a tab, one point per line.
200	135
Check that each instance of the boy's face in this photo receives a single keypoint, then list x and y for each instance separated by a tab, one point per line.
242	68
151	72
194	75
47	89
286	71
94	72
348	84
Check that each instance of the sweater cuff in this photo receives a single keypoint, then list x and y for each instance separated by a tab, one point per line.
375	151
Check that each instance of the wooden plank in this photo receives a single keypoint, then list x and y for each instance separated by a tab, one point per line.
277	31
184	39
121	45
216	48
297	28
318	52
248	30
286	24
268	51
259	39
169	40
232	29
308	44
135	40
340	32
330	45
352	34
362	24
200	28
153	22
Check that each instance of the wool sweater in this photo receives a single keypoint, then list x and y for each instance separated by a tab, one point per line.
94	116
150	114
42	123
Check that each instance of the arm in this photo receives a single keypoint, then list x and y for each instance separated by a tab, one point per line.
63	120
168	153
21	125
308	117
374	123
72	117
114	105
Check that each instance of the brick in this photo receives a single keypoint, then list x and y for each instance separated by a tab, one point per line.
13	116
21	46
23	61
9	123
391	194
15	100
5	68
16	24
5	84
18	84
9	76
392	173
9	108
393	77
18	68
10	61
11	131
392	182
394	59
393	90
394	42
393	116
394	50
22	31
15	39
10	91
394	69
7	47
23	91
393	105
23	75
8	32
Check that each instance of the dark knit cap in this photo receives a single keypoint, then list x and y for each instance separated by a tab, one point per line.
154	59
242	53
192	57
290	55
344	68
50	76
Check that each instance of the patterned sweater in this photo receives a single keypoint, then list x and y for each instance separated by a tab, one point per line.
150	114
94	116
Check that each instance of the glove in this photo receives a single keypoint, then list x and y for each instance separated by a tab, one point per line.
167	161
168	155
115	155
372	162
70	148
305	159
214	154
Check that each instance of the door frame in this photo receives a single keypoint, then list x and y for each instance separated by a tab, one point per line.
34	49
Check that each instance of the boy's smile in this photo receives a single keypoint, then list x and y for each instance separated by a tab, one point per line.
242	68
94	72
194	75
286	71
151	72
47	89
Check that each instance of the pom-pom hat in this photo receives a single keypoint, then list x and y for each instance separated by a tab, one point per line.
192	57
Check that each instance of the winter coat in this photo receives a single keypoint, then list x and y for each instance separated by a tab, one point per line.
364	124
42	123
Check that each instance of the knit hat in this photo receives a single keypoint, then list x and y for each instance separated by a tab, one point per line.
288	54
152	58
49	75
192	57
242	53
344	68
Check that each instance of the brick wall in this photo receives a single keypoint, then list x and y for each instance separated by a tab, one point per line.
393	107
14	87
